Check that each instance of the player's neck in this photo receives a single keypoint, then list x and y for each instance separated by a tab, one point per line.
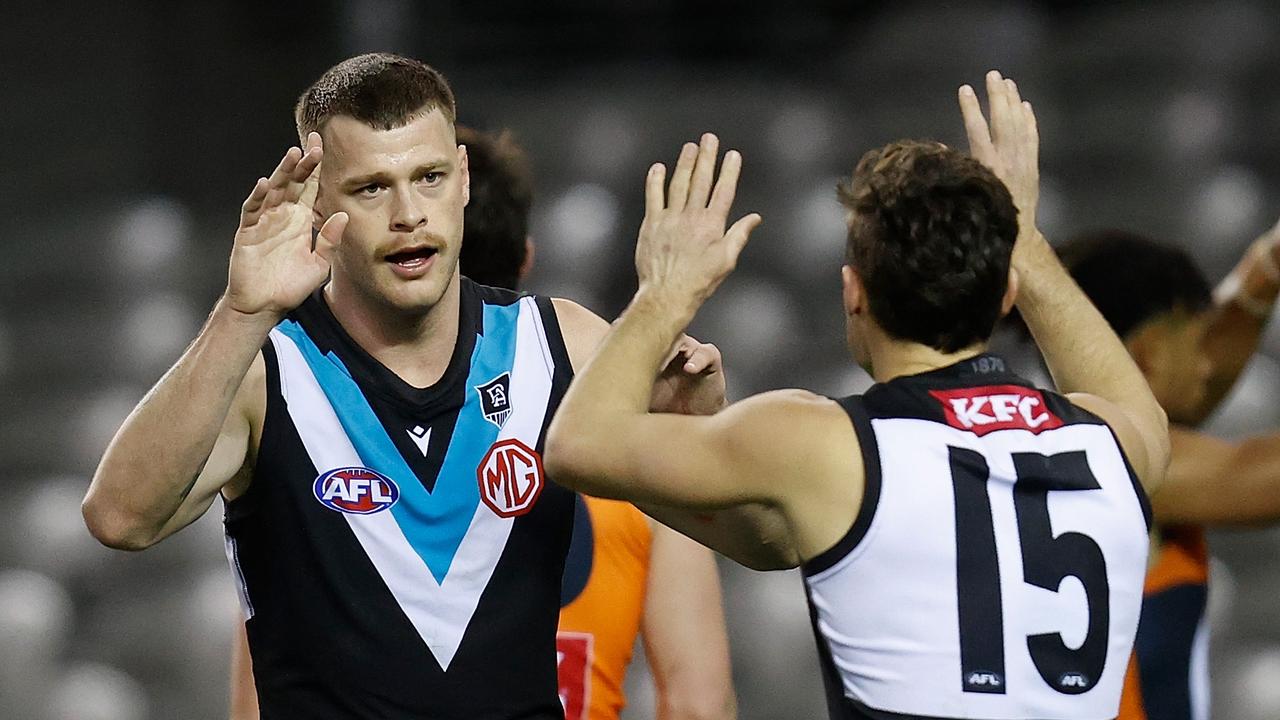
417	346
892	358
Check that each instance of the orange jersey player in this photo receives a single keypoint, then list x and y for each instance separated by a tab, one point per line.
625	576
1191	345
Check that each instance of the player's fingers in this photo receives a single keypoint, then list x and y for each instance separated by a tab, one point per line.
678	192
727	184
704	170
738	233
252	206
309	189
975	124
273	198
307	164
1033	133
307	171
998	107
676	350
313	141
653	185
330	236
1013	110
284	170
703	358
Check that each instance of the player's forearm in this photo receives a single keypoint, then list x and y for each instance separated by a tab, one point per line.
1080	348
1243	303
612	390
153	461
1217	483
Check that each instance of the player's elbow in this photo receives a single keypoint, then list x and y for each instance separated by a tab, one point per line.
113	528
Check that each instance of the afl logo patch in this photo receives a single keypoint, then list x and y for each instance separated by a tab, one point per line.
356	490
510	478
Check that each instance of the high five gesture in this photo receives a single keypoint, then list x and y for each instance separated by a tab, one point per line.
274	265
684	251
1085	357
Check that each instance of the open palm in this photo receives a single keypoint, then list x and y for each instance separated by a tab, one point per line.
274	266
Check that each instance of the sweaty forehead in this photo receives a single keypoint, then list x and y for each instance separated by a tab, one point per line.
351	146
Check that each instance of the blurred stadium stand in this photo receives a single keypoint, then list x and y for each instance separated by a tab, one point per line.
136	128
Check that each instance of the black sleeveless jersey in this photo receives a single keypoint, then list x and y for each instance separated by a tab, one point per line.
399	552
995	569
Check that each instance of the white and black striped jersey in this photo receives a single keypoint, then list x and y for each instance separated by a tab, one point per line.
995	569
399	551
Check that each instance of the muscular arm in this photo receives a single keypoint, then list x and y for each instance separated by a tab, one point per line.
787	451
1219	483
187	439
192	434
1086	359
684	633
1243	302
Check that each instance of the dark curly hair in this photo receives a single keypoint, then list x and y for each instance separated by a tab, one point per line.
931	233
1133	279
496	221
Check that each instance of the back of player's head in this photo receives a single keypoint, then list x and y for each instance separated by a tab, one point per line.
931	233
381	90
496	222
1132	279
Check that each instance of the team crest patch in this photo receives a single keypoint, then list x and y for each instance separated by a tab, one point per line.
510	477
355	490
495	399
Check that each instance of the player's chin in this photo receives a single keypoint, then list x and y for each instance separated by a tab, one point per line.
416	295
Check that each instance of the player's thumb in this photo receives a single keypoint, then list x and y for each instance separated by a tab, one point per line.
330	235
738	233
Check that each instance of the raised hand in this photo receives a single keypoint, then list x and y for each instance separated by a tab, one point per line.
1009	146
684	250
274	266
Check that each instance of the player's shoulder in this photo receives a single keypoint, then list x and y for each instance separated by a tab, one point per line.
581	329
789	423
575	319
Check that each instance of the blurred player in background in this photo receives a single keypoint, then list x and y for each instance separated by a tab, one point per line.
373	422
935	517
624	574
1191	346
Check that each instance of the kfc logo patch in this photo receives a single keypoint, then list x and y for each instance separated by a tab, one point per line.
495	399
573	668
511	478
981	410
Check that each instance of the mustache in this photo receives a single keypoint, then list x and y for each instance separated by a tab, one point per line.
419	239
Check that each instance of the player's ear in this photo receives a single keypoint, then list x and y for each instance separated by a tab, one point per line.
854	293
1010	293
527	265
1143	345
466	174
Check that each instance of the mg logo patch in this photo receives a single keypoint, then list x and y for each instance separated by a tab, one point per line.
510	477
355	490
495	399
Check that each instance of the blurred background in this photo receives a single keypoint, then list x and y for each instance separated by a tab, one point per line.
136	129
